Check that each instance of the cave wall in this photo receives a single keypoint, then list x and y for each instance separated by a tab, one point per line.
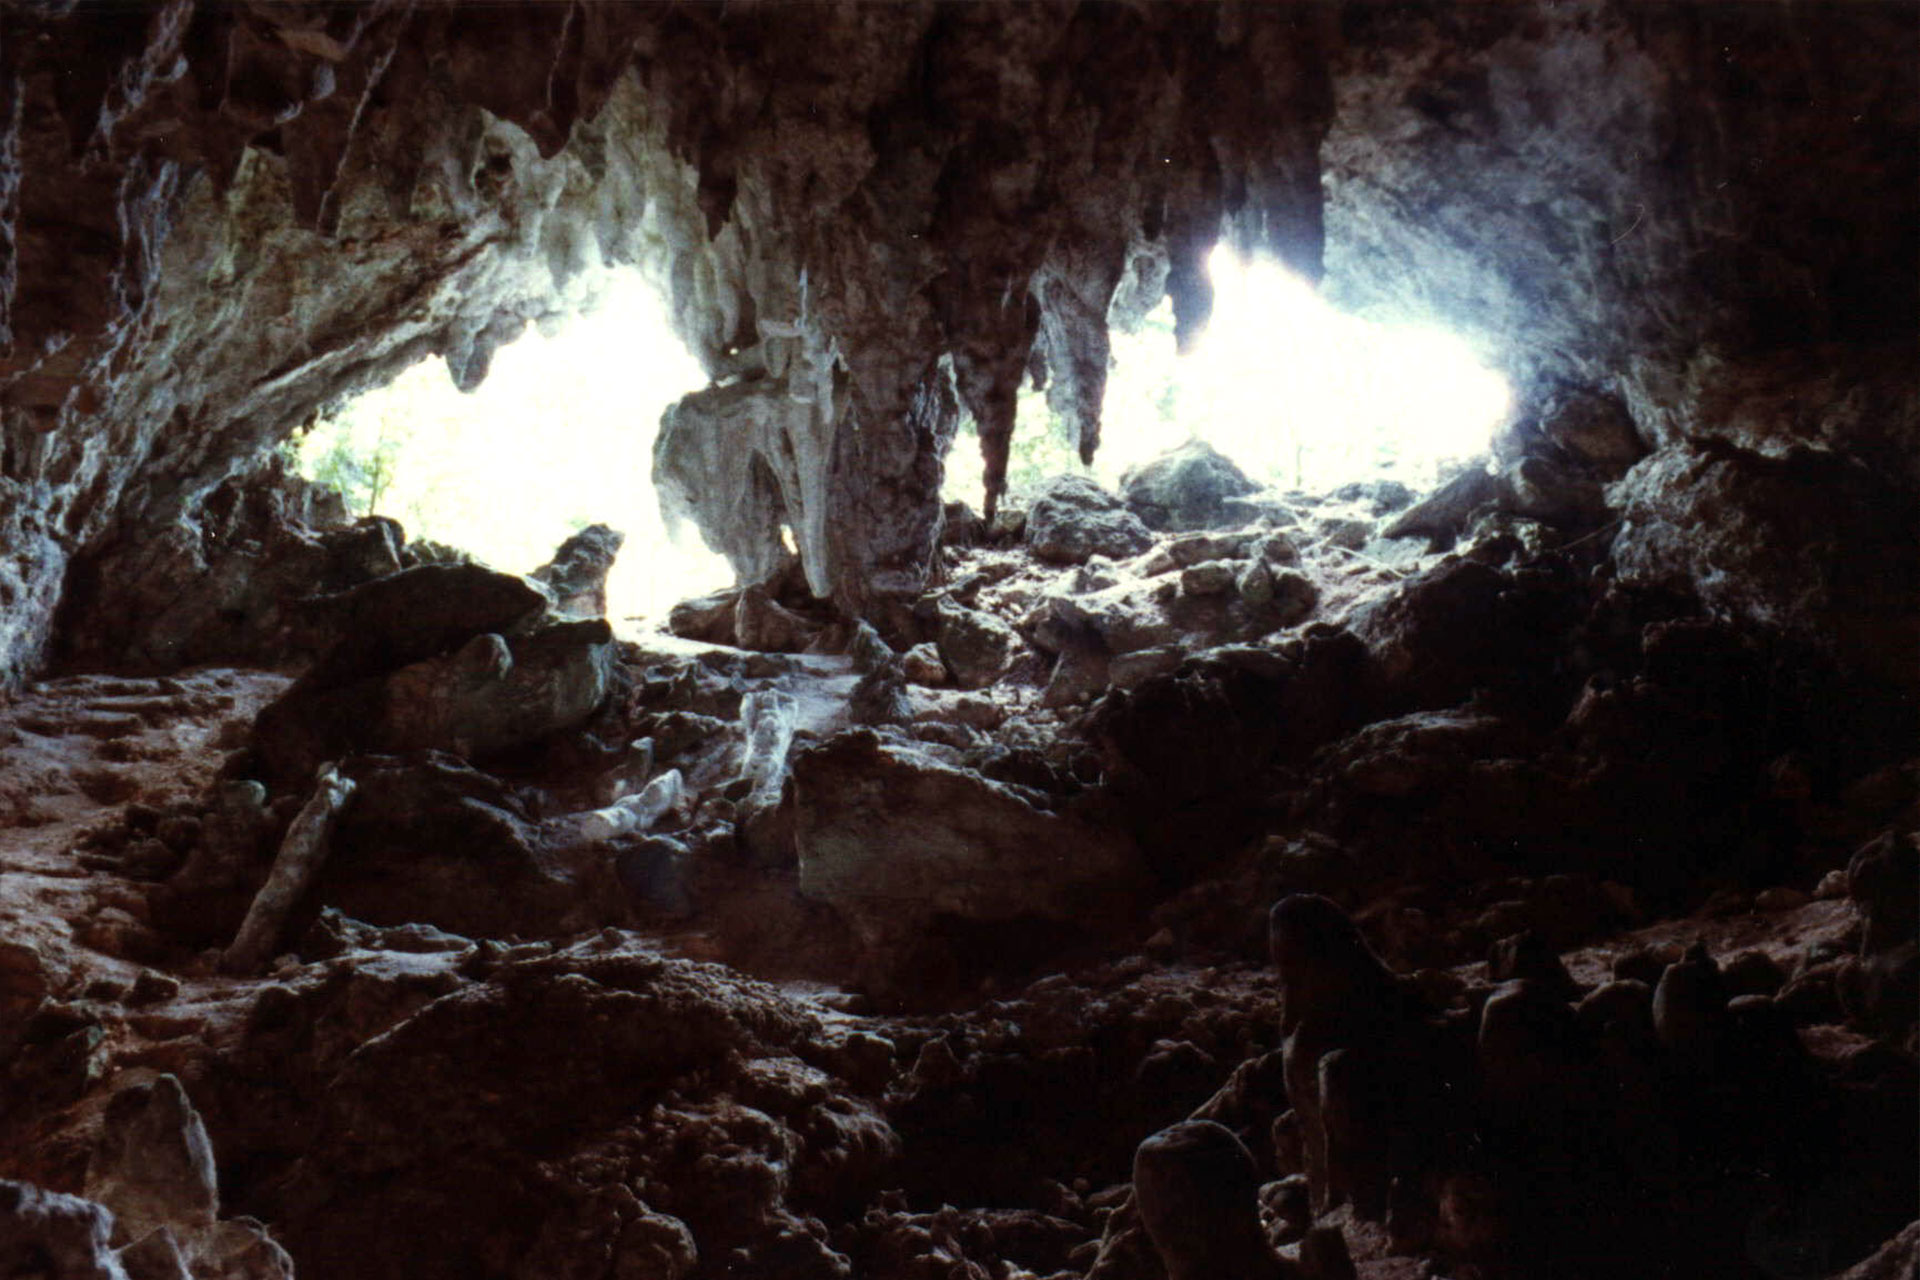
231	219
1703	215
215	220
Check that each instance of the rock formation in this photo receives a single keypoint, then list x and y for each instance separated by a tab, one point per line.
1513	879
398	180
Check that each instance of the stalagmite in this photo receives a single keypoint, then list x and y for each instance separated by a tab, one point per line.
301	855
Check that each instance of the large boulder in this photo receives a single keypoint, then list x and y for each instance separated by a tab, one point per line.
899	845
427	840
1436	637
427	610
1072	519
708	619
1816	546
225	582
762	623
491	694
1180	751
450	657
1186	488
1123	618
1591	428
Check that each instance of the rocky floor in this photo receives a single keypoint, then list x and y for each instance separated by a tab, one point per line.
955	959
371	1087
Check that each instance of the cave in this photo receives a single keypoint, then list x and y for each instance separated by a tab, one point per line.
451	466
1020	871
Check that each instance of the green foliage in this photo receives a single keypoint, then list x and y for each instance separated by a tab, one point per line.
357	457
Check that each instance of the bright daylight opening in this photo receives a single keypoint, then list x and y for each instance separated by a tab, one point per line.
1300	395
559	436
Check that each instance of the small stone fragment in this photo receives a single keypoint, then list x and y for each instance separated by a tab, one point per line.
1213	578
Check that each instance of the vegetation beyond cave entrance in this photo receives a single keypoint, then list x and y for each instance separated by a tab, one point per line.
559	436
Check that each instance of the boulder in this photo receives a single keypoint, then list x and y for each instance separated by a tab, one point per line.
975	646
1208	578
960	527
1443	514
1542	490
1295	597
1187	488
454	657
226	581
420	613
577	574
1122	618
1071	519
1130	669
1383	497
1349	533
662	1078
1591	428
154	1168
880	695
896	842
488	695
1180	749
491	695
708	619
1194	548
429	840
762	623
923	665
1197	1191
1080	673
44	1233
1430	637
1880	987
1823	548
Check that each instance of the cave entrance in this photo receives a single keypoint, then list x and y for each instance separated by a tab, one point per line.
1303	396
558	436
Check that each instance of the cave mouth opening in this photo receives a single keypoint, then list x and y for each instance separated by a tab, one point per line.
1302	396
558	436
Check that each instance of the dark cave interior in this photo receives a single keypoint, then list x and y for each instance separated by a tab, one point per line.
1178	880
